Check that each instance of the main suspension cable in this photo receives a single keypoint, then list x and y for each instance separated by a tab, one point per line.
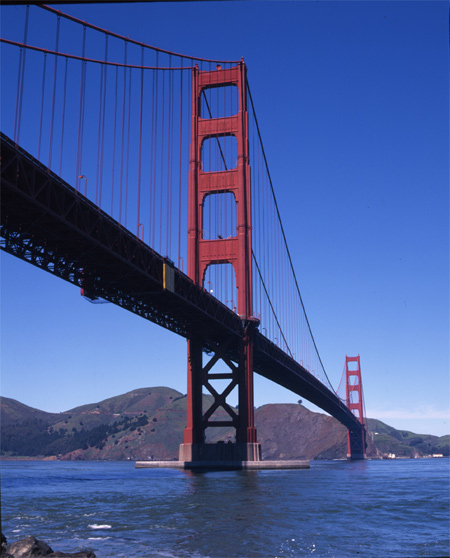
94	60
132	41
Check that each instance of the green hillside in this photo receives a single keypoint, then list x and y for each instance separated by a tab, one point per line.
404	443
148	423
144	423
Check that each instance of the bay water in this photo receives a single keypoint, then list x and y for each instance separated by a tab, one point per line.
393	508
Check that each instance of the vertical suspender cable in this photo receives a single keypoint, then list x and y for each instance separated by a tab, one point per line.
264	230
154	155
150	161
128	147
122	143
279	285
172	161
256	195
99	133
151	208
114	142
44	71
19	96
140	143
169	161
53	94
63	117
258	241
179	166
102	112
162	165
81	109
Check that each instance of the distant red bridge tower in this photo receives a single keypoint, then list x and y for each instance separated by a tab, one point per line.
354	399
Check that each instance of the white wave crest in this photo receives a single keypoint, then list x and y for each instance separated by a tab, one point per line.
95	526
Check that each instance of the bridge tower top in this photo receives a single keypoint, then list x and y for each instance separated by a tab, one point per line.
354	395
232	178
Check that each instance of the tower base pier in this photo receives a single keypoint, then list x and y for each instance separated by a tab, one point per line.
356	456
240	451
224	465
222	457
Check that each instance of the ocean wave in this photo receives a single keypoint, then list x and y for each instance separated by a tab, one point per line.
98	538
95	526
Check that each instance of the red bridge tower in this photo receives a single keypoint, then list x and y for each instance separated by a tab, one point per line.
237	251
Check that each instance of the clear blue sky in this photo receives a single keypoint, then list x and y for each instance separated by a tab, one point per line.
352	101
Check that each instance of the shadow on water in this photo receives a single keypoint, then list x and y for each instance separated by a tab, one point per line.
222	513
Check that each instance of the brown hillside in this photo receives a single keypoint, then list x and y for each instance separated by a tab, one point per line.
148	423
305	435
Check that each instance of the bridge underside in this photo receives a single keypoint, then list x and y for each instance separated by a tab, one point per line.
47	223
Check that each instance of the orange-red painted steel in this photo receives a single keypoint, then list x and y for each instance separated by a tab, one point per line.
354	398
235	250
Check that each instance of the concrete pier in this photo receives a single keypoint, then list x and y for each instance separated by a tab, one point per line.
224	465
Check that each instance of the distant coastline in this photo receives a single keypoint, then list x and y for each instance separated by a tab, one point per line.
148	424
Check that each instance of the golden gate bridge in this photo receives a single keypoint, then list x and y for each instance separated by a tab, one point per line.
140	176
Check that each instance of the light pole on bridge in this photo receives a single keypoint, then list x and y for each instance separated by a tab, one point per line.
85	183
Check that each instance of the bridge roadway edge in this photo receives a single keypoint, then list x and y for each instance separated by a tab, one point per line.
47	223
225	465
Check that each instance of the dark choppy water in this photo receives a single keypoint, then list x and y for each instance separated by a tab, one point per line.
335	509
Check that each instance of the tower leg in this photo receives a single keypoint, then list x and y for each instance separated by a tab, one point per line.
193	433
356	445
246	434
240	375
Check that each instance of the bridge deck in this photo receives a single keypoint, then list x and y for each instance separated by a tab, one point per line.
49	224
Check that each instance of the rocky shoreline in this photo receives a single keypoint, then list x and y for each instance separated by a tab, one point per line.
30	547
